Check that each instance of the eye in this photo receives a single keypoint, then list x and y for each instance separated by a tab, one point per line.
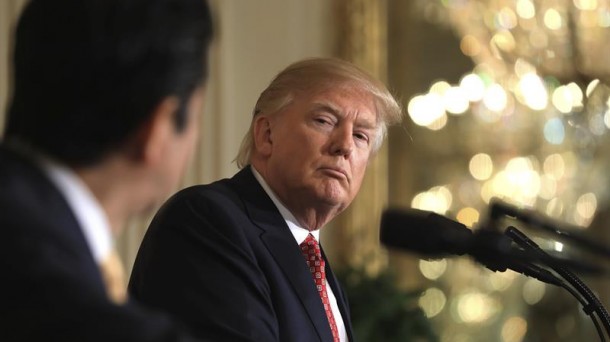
323	120
361	137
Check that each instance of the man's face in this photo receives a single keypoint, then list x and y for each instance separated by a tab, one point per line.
321	144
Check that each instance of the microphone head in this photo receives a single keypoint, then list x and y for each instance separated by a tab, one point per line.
425	233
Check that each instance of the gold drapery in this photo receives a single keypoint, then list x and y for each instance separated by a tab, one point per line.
362	39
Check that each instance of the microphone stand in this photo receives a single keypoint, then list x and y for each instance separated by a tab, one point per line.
591	304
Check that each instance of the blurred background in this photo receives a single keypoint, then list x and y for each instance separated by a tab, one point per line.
505	99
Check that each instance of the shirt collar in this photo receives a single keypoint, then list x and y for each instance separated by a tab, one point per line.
299	233
89	213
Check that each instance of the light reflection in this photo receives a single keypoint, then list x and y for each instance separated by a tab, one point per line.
514	329
432	302
533	291
481	166
476	307
562	99
470	46
487	191
554	207
432	269
523	67
526	9
440	87
438	124
607	119
586	4
501	281
533	91
468	216
552	19
455	100
504	40
488	115
586	205
576	94
554	166
554	131
473	86
507	18
518	180
438	199
591	86
495	98
425	109
557	246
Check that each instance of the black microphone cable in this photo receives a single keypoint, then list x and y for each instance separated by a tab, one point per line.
591	305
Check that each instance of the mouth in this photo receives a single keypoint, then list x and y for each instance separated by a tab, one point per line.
333	172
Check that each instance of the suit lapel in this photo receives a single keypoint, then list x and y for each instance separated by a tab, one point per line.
281	244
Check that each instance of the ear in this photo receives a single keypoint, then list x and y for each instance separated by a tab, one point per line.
262	135
157	132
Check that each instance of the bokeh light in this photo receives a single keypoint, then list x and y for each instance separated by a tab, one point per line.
432	302
481	166
476	307
432	269
514	329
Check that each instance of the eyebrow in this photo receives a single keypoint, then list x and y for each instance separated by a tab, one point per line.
327	107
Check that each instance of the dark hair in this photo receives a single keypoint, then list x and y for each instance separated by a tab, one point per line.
89	73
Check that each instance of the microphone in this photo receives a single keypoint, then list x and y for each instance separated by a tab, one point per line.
534	219
435	236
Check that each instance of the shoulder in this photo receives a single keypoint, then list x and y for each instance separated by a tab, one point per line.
210	199
229	196
27	194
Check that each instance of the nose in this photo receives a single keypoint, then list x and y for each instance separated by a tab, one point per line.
342	142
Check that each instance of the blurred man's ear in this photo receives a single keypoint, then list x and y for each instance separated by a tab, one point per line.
152	138
261	134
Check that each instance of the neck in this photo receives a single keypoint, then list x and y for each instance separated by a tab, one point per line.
116	191
312	218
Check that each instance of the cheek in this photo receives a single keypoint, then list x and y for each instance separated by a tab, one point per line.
359	169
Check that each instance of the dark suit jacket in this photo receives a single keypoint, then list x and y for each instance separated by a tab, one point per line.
51	288
222	258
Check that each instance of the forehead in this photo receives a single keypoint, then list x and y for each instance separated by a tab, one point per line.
341	100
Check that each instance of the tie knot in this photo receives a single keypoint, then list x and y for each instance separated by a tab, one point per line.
311	250
310	246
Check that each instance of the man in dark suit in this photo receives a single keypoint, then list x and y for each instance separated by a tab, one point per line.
239	260
102	121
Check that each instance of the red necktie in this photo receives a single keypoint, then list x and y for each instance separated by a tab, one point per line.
311	251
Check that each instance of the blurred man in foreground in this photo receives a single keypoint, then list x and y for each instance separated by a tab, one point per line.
104	117
239	259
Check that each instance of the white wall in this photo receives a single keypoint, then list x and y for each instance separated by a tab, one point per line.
256	39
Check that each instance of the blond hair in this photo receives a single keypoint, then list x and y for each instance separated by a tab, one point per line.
314	74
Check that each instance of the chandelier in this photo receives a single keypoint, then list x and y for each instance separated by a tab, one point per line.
565	39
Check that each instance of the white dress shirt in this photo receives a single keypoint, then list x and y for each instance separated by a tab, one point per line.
300	234
89	213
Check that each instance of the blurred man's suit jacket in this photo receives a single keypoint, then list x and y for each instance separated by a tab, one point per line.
51	287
